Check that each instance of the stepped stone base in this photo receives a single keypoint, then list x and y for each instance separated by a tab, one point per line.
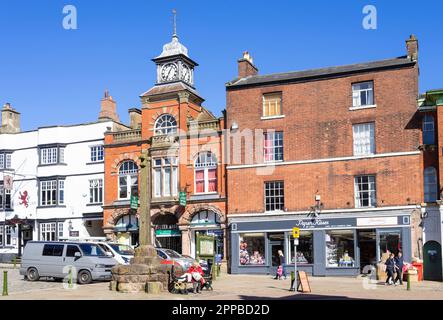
144	274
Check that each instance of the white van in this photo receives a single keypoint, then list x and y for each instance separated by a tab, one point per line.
120	252
54	259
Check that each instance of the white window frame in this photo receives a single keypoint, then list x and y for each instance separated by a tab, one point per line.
8	161
49	186
127	174
206	161
364	138
8	233
271	100
2	161
159	165
3	195
49	155
430	184
372	192
96	191
357	95
276	203
170	129
48	228
97	153
60	230
275	138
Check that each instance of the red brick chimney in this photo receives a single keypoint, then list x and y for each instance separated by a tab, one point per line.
246	66
412	48
108	108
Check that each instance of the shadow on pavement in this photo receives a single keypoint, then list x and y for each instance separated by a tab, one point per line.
299	296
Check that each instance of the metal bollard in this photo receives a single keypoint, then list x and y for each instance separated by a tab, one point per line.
5	283
70	278
409	283
292	281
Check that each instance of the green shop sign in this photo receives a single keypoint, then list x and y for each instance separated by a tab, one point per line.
182	198
134	202
166	233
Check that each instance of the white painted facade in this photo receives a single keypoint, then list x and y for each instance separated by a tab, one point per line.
74	215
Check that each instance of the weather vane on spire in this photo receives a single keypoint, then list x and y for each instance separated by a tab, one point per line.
174	12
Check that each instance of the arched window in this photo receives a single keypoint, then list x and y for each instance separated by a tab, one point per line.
206	173
165	124
428	129
127	180
431	186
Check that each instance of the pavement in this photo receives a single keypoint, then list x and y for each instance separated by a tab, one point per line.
230	287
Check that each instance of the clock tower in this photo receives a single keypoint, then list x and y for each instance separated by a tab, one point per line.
174	64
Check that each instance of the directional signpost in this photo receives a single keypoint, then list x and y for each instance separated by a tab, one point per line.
134	202
296	236
182	198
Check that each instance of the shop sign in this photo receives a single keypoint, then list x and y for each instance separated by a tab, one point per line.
182	198
74	234
7	180
134	202
311	224
167	233
377	221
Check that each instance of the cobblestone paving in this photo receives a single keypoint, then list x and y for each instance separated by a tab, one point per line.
232	287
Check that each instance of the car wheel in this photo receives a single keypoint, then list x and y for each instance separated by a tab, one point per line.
32	274
84	277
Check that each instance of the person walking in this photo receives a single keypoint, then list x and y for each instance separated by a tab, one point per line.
390	268
399	264
282	264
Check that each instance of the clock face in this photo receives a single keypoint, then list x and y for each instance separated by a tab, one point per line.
186	74
169	72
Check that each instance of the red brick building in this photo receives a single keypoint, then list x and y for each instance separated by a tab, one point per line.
333	151
184	141
431	116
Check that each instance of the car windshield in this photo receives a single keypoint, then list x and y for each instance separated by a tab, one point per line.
92	250
122	249
173	254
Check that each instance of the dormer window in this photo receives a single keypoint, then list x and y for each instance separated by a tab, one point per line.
165	125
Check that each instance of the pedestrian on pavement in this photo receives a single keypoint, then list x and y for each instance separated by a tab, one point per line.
281	264
400	264
390	268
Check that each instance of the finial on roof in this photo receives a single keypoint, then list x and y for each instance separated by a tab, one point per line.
174	34
106	93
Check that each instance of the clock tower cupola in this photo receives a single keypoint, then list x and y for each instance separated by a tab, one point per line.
174	64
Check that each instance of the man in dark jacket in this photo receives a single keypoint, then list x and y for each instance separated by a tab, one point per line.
390	268
399	264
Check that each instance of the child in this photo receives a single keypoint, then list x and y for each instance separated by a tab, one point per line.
280	272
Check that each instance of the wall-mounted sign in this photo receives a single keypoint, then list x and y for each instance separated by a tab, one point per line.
74	234
182	198
377	221
24	199
134	202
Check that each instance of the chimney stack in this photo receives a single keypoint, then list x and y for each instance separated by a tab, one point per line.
412	48
246	66
108	108
10	120
135	116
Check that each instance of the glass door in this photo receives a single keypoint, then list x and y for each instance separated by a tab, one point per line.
389	241
367	243
276	243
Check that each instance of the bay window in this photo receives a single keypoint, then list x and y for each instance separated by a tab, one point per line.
5	197
205	173
52	155
52	192
48	231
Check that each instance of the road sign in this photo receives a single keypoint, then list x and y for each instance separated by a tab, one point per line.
182	198
134	202
296	233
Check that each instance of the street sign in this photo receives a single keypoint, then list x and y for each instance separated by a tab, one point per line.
134	202
296	233
296	242
182	198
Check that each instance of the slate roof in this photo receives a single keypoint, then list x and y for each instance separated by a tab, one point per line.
315	74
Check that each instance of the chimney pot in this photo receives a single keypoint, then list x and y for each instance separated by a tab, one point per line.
246	66
412	47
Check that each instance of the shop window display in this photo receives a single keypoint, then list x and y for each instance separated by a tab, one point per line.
305	252
252	249
390	242
340	248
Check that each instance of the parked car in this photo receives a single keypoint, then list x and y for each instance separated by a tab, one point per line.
171	257
54	259
120	252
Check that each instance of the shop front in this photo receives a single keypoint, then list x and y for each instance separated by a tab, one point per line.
207	223
167	233
126	230
328	245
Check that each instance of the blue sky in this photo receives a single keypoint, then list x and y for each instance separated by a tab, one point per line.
57	76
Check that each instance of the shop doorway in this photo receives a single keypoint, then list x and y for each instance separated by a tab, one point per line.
167	233
367	243
276	243
390	241
432	262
